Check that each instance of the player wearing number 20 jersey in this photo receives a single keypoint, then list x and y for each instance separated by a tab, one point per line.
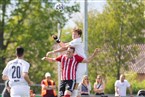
16	71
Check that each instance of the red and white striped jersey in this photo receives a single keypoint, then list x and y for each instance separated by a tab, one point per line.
69	66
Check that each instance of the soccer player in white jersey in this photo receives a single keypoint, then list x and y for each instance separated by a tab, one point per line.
78	45
16	71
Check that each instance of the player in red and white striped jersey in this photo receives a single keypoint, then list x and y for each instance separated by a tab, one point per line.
69	63
69	66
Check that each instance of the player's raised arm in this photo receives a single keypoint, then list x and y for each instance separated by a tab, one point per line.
63	46
57	50
49	59
57	40
91	57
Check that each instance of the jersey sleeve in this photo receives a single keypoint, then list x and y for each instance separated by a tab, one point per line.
79	58
25	67
74	43
5	71
116	83
58	58
128	85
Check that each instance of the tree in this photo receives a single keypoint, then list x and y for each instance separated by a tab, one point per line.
115	30
31	24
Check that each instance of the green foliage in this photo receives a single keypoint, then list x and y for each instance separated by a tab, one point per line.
31	25
135	82
114	30
66	35
109	86
138	85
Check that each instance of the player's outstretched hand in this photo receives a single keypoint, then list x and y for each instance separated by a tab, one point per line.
43	58
97	50
31	83
55	37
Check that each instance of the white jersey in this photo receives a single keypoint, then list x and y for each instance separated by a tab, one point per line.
14	70
77	43
82	67
122	87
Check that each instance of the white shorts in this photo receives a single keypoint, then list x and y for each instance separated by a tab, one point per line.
81	71
20	91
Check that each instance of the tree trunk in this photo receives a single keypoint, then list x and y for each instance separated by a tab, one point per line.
2	25
2	59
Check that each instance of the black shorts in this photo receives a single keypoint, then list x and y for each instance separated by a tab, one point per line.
66	85
99	93
84	94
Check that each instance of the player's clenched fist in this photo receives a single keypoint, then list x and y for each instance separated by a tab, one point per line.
96	50
43	58
56	38
31	83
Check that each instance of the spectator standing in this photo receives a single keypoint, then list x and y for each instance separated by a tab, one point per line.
84	87
48	87
99	86
121	86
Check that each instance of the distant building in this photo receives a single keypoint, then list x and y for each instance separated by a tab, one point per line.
138	64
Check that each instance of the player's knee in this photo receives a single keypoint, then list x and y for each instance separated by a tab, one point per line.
68	92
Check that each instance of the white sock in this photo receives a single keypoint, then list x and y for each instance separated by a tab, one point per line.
74	93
